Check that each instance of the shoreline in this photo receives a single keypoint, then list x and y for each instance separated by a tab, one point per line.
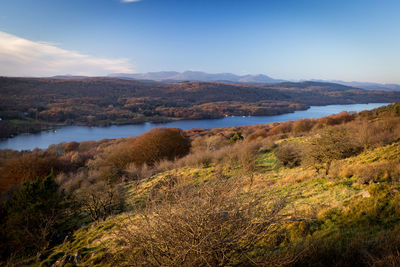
89	133
45	126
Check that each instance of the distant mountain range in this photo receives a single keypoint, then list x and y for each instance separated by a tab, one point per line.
367	85
199	76
174	76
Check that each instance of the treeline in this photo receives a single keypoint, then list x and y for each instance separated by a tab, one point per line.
28	105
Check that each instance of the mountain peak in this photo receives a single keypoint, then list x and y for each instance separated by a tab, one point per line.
191	75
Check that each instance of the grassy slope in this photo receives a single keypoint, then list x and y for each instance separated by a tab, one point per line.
309	194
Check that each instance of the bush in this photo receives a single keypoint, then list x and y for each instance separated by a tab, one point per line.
27	168
164	165
101	199
159	144
258	134
376	172
71	146
302	126
137	173
34	215
210	143
200	158
282	129
240	155
236	137
215	225
129	157
244	155
288	154
378	133
329	145
336	119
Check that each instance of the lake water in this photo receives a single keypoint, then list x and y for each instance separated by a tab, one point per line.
84	133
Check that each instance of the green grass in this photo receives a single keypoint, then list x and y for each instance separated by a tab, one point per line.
389	152
335	199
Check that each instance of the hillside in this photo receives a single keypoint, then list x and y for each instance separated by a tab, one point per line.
321	192
368	85
31	105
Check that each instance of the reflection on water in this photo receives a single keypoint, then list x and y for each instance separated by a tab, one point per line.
84	133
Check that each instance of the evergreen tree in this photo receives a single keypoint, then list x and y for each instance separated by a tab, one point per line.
33	215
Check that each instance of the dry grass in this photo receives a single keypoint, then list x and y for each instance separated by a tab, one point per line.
134	172
297	176
373	172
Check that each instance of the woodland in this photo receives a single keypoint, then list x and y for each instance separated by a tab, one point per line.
29	105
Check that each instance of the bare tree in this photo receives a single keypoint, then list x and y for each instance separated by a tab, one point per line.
101	200
329	145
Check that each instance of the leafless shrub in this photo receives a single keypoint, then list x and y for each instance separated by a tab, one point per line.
288	154
164	165
340	118
211	143
377	171
86	145
197	159
243	155
101	199
377	133
215	225
267	143
259	134
239	155
282	129
302	126
134	172
72	181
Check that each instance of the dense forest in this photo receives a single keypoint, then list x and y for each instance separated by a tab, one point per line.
33	104
311	192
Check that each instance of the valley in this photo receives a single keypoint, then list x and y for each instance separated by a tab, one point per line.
29	105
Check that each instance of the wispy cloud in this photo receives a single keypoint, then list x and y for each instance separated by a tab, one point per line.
22	57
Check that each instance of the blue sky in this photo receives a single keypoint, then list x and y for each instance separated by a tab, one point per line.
288	39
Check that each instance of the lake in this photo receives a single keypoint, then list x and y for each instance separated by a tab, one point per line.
85	133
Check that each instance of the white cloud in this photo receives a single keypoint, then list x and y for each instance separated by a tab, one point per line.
129	1
21	57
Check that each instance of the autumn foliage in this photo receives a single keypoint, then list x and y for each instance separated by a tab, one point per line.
152	147
27	168
32	105
159	144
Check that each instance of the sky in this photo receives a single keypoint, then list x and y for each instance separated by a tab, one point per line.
350	40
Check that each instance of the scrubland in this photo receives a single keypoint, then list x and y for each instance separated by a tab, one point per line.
321	192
